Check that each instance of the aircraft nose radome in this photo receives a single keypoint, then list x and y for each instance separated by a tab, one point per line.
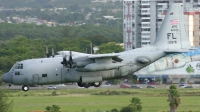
7	77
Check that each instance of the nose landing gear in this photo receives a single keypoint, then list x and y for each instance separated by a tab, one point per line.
96	84
25	88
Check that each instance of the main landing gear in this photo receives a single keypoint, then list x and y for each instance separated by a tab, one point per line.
87	85
25	88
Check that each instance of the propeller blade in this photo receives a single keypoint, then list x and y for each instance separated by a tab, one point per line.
70	56
70	53
64	62
67	60
47	52
62	54
53	52
70	60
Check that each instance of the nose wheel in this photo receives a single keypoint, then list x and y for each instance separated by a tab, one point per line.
25	88
96	84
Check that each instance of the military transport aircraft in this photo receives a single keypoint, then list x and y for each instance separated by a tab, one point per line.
91	69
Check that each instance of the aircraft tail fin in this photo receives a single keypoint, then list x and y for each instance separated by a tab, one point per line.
173	33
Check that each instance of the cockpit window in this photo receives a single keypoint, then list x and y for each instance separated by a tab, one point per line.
13	68
19	66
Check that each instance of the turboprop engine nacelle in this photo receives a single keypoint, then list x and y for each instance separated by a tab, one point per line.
82	61
101	67
81	64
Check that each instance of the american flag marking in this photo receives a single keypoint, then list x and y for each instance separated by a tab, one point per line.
174	21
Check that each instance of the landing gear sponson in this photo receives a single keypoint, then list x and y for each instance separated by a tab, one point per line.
87	85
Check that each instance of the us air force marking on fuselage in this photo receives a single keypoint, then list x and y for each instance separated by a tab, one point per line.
171	38
130	64
174	28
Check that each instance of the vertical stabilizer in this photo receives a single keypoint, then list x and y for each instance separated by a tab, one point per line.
173	33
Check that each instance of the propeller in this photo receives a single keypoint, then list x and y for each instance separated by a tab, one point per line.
53	52
47	52
68	63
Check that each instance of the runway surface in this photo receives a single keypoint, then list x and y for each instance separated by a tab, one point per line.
74	86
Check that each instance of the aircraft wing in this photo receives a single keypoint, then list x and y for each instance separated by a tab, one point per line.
177	50
193	48
113	56
102	62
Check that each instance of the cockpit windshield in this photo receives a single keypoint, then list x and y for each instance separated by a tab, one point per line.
12	69
17	66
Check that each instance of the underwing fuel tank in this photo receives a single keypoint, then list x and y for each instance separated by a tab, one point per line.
102	66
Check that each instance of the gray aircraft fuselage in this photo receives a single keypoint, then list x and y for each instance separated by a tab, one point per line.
51	71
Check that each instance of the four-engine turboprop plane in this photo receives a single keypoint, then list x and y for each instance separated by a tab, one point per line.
91	69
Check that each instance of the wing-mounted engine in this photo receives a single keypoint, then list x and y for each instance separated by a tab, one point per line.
91	63
80	60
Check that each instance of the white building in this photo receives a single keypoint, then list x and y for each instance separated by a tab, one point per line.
143	18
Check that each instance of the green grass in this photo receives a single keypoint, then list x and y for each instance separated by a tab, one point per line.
153	100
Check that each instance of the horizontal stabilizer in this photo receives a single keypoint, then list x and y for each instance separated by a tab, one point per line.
176	51
193	48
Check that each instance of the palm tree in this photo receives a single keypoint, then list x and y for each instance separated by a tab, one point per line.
182	80
136	103
173	98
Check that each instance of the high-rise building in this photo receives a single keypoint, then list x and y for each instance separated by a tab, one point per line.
143	18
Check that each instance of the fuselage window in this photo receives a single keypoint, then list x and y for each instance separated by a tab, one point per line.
17	73
44	75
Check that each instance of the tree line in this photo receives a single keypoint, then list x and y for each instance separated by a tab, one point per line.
27	41
32	31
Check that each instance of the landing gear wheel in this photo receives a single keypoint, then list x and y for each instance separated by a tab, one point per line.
80	84
25	88
96	84
86	85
